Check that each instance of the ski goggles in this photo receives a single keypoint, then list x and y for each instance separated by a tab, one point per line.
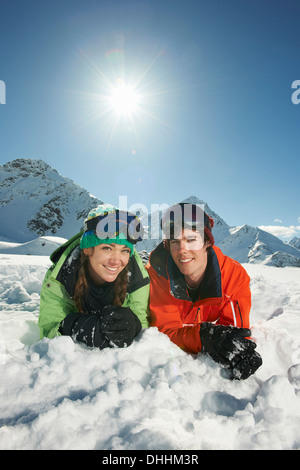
113	224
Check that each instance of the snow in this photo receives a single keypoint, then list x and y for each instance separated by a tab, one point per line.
41	246
56	394
249	244
35	200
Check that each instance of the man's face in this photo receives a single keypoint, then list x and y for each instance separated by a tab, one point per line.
189	254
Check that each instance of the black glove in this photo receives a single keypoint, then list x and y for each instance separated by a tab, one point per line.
120	325
229	346
84	328
244	365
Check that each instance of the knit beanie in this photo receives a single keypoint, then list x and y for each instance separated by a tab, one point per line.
89	238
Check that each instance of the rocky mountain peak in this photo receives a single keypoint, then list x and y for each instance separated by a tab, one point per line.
35	200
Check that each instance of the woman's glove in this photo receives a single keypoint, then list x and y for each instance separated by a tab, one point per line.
229	346
111	326
84	328
120	325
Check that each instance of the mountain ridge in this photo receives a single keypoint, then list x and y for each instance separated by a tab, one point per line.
36	202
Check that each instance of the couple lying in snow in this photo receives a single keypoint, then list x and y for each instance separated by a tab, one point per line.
99	292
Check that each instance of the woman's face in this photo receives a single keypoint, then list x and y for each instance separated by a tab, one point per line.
106	261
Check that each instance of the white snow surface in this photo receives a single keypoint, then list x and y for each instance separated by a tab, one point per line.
41	246
56	394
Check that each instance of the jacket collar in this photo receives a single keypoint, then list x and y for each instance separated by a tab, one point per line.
211	286
66	248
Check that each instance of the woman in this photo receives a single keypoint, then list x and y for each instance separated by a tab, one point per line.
97	289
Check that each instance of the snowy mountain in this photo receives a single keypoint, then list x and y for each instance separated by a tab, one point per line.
35	200
295	242
245	244
37	203
253	245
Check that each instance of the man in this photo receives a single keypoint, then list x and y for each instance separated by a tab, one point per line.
199	297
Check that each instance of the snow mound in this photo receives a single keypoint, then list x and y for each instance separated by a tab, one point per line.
42	246
57	394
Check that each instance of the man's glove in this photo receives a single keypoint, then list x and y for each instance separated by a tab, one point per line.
229	346
120	325
244	365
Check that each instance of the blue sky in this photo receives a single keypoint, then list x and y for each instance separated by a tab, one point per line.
215	118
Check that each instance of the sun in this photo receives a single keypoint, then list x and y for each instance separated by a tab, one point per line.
123	99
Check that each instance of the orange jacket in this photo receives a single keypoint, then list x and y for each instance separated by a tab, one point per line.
224	297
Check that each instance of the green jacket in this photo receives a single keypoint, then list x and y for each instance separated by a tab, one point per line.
56	304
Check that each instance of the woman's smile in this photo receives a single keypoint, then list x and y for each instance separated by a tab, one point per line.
106	261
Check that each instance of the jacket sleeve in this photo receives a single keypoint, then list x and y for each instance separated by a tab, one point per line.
55	305
138	302
137	298
236	306
165	315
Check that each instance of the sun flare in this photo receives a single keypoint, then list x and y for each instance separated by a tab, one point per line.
123	99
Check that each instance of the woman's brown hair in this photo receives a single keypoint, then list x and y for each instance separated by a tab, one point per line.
81	287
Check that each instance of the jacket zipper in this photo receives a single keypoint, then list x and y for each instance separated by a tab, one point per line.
197	315
236	313
240	313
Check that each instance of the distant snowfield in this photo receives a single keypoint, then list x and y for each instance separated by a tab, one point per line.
41	246
56	394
